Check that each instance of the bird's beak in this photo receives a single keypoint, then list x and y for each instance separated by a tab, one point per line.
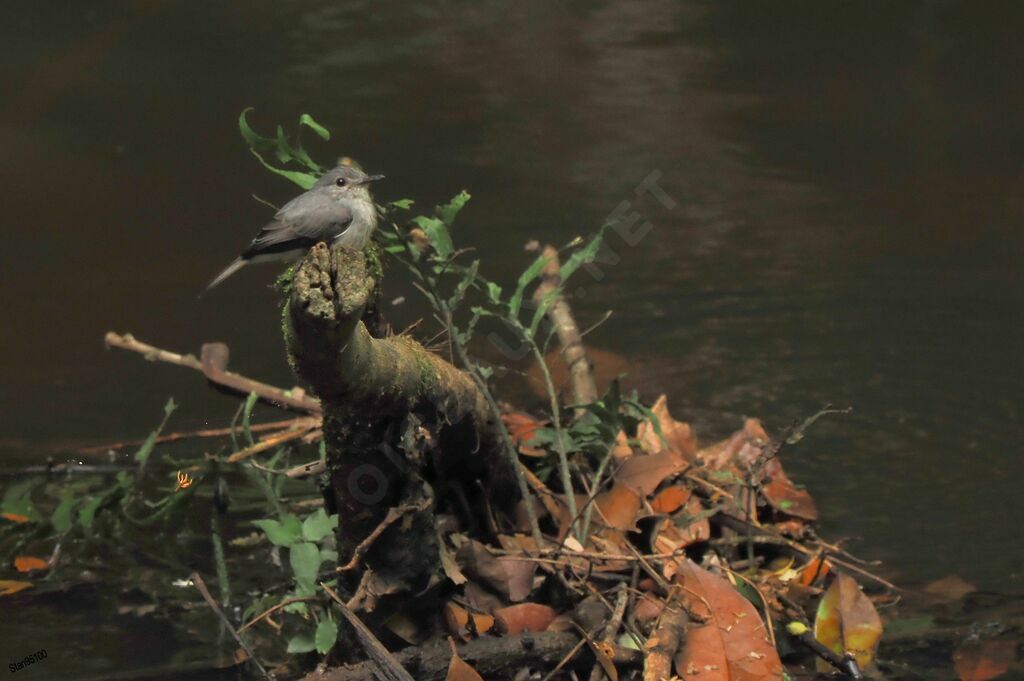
372	178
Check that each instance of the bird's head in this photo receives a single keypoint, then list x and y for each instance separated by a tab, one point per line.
347	182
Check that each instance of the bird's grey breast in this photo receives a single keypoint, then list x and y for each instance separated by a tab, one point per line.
363	222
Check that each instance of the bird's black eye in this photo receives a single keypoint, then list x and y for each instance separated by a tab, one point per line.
341	182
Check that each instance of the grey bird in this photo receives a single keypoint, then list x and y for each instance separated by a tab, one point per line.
337	210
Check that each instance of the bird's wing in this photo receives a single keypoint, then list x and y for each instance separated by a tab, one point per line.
301	223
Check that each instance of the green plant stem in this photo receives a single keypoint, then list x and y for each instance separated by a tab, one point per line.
261	482
585	525
556	418
510	448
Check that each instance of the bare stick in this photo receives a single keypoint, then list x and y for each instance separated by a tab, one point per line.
575	355
269	443
205	432
390	669
364	546
197	580
270	611
213	364
307	469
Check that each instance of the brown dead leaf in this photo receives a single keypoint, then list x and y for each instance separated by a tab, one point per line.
522	427
8	586
951	588
648	608
678	435
459	669
516	619
745	448
618	507
983	660
30	563
644	472
671	537
733	644
508	575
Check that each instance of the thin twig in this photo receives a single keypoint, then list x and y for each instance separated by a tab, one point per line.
269	443
185	435
393	515
213	366
197	581
270	611
390	669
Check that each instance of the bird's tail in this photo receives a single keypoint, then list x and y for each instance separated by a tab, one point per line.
238	264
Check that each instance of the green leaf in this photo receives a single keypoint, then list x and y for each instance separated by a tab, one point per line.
467	280
142	455
307	120
437	234
582	256
87	514
285	532
18	499
249	135
531	273
304	180
326	635
302	643
545	304
305	561
494	292
299	608
448	212
328	556
250	403
61	518
318	525
401	204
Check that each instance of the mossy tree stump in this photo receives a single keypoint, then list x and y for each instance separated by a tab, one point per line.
400	423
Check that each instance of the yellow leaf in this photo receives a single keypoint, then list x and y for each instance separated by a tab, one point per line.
847	621
8	587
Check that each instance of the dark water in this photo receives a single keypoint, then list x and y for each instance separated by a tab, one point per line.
847	183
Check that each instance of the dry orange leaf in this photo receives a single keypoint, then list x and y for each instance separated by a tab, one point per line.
457	619
8	586
644	472
618	507
459	669
671	537
522	427
744	449
516	619
983	660
621	451
733	644
678	435
14	517
848	622
670	499
30	563
814	571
